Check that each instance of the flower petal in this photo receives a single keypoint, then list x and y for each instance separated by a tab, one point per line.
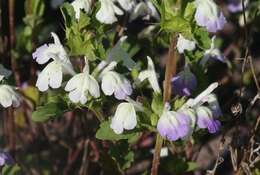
93	87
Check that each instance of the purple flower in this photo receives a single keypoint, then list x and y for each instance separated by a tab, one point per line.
207	109
213	104
207	120
208	15
184	82
235	5
173	125
191	113
5	158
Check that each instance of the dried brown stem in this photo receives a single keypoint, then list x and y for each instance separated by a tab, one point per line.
167	91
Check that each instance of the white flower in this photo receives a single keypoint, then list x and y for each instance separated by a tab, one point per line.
200	99
124	118
81	4
150	74
209	15
54	50
52	73
206	108
51	76
81	85
8	96
108	11
114	83
185	44
144	9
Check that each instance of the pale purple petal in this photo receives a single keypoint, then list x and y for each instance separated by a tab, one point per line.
120	94
126	86
40	54
172	134
163	126
206	120
166	129
183	124
215	25
208	15
202	122
213	126
173	125
205	116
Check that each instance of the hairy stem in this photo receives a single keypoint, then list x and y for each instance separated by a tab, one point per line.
167	91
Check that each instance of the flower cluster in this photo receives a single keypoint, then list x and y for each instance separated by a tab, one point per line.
203	111
109	10
81	85
86	85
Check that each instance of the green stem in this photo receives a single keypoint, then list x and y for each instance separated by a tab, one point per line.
98	114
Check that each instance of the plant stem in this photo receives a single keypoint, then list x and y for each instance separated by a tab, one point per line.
11	15
11	122
170	71
98	114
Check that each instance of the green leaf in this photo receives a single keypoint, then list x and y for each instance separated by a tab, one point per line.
84	21
157	104
79	39
35	7
122	154
34	10
44	113
81	46
106	133
11	170
154	119
118	54
180	165
68	14
179	25
189	11
192	166
178	103
202	37
194	56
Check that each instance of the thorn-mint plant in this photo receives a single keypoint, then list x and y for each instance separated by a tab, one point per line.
129	79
